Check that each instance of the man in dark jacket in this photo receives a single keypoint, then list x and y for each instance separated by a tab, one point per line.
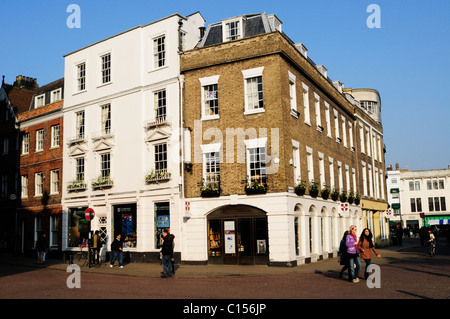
117	250
167	253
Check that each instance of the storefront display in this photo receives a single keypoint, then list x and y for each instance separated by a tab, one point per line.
78	227
125	224
162	221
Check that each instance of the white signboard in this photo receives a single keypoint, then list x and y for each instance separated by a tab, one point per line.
230	246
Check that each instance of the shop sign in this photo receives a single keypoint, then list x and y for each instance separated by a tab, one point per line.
229	230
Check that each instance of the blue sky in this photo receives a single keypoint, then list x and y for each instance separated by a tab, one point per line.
406	59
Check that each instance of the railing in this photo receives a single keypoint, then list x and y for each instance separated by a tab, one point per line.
159	121
77	139
107	133
102	182
76	186
160	175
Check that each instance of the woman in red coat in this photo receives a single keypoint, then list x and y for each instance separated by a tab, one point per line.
365	245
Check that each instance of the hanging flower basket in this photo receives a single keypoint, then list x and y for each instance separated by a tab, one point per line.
343	197
325	193
351	198
313	189
357	199
335	195
300	189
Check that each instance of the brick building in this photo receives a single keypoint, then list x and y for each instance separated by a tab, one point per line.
41	128
14	99
261	123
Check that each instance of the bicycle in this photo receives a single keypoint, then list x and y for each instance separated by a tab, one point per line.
80	258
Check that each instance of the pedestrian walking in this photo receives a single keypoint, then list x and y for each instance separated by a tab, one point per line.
354	262
41	247
117	251
343	260
167	253
366	246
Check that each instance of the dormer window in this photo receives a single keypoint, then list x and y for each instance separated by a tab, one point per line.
39	102
55	95
232	29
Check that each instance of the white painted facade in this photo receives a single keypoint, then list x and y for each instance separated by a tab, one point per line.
425	191
328	225
138	68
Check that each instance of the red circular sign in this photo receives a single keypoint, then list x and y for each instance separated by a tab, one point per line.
89	214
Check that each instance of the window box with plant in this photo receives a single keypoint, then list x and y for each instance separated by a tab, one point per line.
335	194
256	186
160	175
313	189
343	196
357	199
300	189
351	198
102	182
76	185
325	192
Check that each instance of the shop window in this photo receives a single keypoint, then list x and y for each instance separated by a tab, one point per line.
78	225
162	221
125	224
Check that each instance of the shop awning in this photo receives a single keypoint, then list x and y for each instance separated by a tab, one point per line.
395	205
395	190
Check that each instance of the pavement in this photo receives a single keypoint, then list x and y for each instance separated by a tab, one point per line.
410	249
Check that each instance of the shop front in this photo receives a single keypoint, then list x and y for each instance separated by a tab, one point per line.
238	235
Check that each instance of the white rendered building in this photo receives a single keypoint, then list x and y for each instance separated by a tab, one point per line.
423	196
121	129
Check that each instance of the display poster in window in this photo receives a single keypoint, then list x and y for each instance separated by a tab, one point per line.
163	221
230	234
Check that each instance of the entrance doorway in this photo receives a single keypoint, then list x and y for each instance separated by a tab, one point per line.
238	235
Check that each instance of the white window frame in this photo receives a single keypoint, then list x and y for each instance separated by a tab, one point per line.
80	126
204	82
159	50
317	110
296	161
80	70
322	170
25	143
55	137
54	181
344	131
56	95
38	184
310	163
327	118
105	68
336	125
78	173
253	144
24	186
249	75
226	24
215	148
362	137
306	103
331	169
40	140
105	114
39	101
293	94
